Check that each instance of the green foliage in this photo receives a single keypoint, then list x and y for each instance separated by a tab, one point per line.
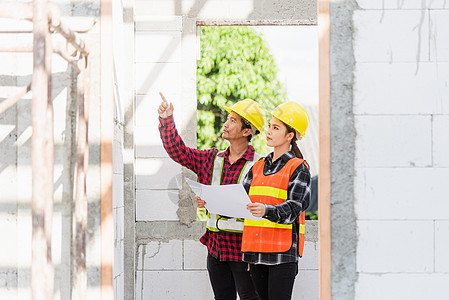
235	64
312	216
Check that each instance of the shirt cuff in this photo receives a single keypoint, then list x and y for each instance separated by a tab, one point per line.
269	211
167	121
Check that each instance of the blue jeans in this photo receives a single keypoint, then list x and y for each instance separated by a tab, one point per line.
274	282
229	277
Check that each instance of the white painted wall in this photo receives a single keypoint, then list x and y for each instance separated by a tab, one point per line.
401	107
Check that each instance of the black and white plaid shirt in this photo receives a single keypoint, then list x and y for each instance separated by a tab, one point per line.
298	198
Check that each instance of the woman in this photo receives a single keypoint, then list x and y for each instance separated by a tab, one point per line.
279	189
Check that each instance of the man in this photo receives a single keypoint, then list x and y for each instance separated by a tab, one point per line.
223	237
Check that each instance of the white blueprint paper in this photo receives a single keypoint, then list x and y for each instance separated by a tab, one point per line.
226	200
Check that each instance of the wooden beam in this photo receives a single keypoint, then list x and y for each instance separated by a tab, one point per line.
324	180
106	140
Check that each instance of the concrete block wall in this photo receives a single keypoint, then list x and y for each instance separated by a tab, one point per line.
118	181
176	269
118	212
172	265
401	117
170	260
158	68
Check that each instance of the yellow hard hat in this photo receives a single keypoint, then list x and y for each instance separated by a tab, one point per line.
250	110
294	115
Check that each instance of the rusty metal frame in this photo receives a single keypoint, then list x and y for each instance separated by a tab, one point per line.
46	20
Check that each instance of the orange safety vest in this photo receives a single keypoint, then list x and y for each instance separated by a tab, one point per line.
264	235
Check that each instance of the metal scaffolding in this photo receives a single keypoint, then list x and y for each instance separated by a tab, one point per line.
46	20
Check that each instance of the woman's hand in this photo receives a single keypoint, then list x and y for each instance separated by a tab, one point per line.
199	202
257	209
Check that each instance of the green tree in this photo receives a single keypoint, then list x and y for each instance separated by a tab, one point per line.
235	64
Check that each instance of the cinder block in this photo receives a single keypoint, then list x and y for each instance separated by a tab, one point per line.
8	283
144	8
60	91
146	108
58	239
401	193
440	141
392	4
157	23
8	293
377	31
117	190
439	30
306	286
173	285
9	178
393	141
221	9
146	133
401	88
119	224
119	287
8	255
158	46
7	67
159	255
8	137
158	77
442	246
157	173
391	246
157	205
195	255
118	257
23	67
401	286
309	260
117	155
438	4
149	145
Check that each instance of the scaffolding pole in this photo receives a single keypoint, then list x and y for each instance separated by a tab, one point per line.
42	272
80	205
44	16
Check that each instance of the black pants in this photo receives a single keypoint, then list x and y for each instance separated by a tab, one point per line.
274	282
227	277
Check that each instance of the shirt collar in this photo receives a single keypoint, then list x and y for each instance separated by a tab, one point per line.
284	157
248	155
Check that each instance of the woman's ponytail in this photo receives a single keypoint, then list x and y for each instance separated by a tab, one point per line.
295	148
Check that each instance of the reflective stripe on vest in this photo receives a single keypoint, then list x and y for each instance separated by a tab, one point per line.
264	235
227	224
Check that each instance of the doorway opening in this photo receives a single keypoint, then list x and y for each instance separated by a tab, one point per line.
271	65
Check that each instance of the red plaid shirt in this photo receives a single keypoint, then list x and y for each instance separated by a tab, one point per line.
223	245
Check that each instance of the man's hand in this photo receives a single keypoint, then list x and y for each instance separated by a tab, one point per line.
257	209
165	110
199	202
